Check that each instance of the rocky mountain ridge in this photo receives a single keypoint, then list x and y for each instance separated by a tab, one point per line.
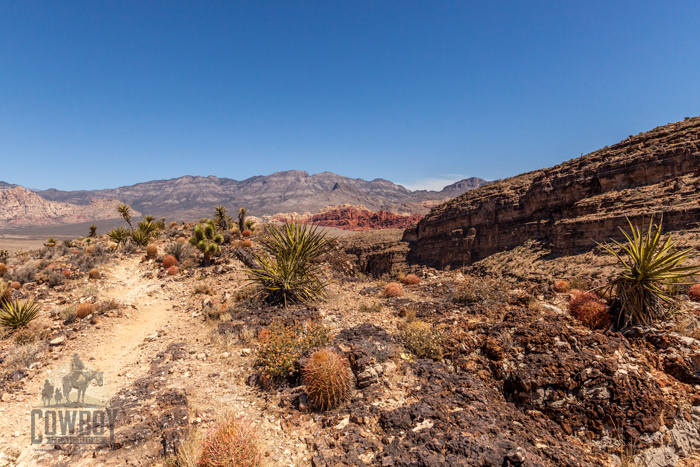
20	207
290	191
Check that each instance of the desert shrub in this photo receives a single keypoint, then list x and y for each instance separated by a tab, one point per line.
647	263
246	243
180	250
151	251
68	315
422	340
327	379
169	261
21	356
278	353
84	309
3	269
86	262
55	279
579	283
29	334
694	293
411	279
173	271
393	289
89	250
206	240
227	236
374	308
590	310
23	273
15	314
480	290
561	286
288	272
232	443
246	233
202	288
107	305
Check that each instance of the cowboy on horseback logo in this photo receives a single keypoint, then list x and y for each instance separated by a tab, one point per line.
73	409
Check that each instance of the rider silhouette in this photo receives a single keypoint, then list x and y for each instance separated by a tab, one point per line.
76	366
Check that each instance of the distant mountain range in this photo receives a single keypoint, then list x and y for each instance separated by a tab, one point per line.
192	197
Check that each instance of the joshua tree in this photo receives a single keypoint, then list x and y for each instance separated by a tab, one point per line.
125	210
206	240
241	219
93	231
223	221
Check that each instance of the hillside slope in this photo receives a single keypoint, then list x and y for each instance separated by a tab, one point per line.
290	191
20	207
573	205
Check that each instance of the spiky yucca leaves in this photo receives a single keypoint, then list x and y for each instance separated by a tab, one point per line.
327	379
119	235
249	224
648	264
16	314
206	240
125	211
288	273
223	221
93	231
147	229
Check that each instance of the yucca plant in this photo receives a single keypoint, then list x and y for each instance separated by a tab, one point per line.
648	264
93	231
16	314
288	273
146	230
119	235
241	219
125	210
206	240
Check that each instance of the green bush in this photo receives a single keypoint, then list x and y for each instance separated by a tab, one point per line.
422	340
16	314
288	272
283	345
647	264
206	240
119	235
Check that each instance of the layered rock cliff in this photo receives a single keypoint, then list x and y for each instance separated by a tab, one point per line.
22	208
573	205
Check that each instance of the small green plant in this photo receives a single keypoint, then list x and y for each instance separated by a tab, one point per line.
288	272
15	314
374	308
206	240
647	263
421	339
93	231
480	290
283	345
327	379
232	443
119	235
249	223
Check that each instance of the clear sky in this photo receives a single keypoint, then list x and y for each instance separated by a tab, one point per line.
99	94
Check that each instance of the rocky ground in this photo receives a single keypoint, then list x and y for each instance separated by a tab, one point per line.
520	382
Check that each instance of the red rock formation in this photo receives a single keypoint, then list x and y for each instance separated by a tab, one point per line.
358	218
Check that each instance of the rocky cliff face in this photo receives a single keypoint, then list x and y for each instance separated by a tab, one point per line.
573	205
21	208
349	217
291	191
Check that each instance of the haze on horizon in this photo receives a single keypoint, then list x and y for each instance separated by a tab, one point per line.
423	94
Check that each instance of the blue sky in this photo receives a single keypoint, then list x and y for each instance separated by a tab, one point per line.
101	94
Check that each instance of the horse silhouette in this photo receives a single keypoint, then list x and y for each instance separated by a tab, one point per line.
46	393
80	381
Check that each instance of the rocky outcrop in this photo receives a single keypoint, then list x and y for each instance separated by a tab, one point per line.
21	208
349	217
295	190
573	205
